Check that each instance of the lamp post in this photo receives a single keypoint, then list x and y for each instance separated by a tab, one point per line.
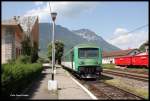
53	15
52	84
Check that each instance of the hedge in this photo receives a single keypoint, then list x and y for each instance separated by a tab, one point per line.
23	59
15	77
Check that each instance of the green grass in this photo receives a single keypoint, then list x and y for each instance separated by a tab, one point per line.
139	70
108	66
138	91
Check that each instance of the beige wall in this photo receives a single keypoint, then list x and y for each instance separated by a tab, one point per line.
3	46
7	38
10	41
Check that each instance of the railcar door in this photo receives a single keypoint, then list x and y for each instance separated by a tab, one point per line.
72	56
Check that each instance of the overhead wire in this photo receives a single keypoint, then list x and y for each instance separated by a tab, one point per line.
50	7
143	26
137	28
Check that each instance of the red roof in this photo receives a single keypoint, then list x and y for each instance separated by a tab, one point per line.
143	53
117	53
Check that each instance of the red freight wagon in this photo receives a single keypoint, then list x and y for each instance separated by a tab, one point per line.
140	60
123	61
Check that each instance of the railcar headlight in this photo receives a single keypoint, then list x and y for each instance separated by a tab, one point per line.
97	62
81	62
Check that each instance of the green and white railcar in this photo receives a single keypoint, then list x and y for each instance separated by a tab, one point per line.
85	60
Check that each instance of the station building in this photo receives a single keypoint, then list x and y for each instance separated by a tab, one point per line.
13	32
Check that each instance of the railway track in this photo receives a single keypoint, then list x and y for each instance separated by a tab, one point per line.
127	75
105	91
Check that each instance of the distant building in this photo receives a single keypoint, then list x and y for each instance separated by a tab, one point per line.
13	31
108	57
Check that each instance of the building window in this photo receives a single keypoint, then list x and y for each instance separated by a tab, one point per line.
16	52
135	53
110	62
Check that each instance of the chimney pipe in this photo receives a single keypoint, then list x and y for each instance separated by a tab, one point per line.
18	17
146	47
14	17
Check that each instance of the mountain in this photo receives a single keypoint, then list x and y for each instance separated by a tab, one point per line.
91	36
70	38
86	34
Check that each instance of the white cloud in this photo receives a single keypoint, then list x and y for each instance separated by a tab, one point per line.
41	12
71	9
64	9
125	40
38	3
119	31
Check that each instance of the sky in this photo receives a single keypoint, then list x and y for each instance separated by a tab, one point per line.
110	20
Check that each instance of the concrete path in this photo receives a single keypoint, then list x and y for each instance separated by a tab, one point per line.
67	88
39	88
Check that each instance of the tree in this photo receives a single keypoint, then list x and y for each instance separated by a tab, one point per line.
27	40
34	53
59	50
28	50
59	46
29	47
142	47
26	46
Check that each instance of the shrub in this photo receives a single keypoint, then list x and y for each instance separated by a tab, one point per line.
46	61
23	59
11	61
40	60
15	77
43	60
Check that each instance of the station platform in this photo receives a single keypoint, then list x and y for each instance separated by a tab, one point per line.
68	87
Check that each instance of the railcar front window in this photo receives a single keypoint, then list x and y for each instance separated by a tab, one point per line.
88	52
